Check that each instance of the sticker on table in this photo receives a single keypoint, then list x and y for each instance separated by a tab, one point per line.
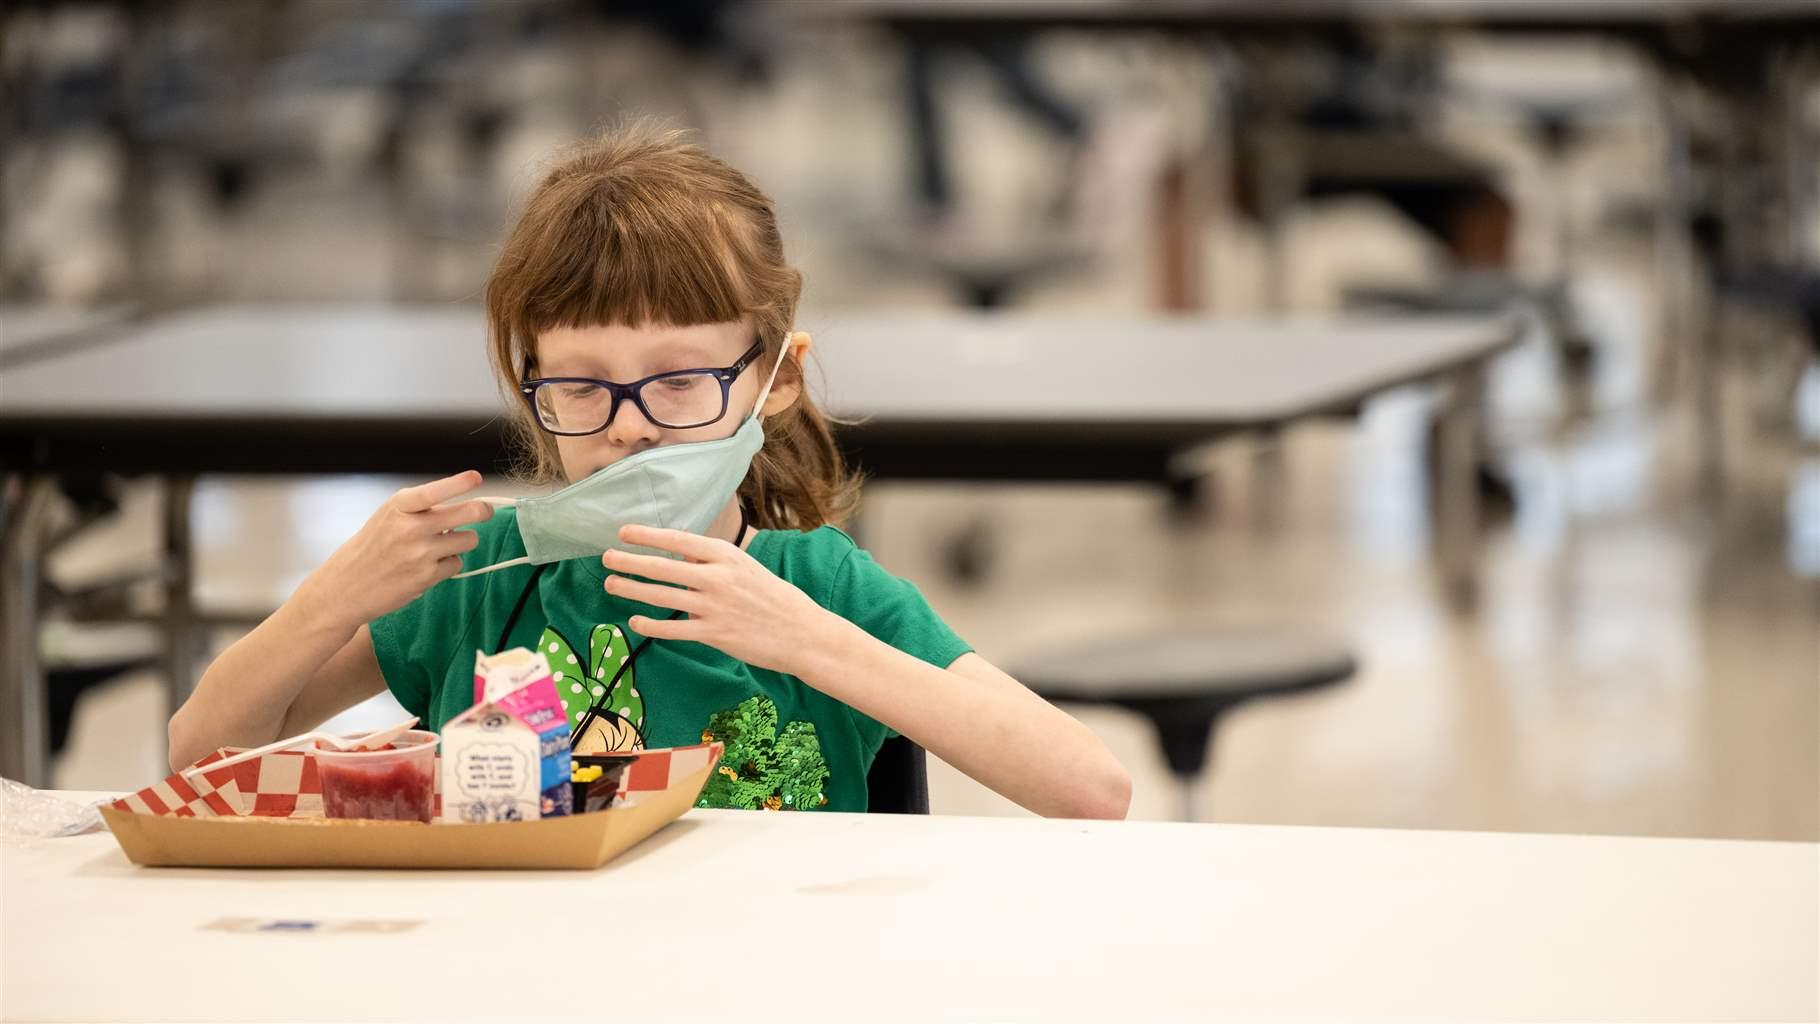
300	925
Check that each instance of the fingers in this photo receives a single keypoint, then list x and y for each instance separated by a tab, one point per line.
427	496
653	567
688	545
457	543
450	517
653	594
664	629
447	567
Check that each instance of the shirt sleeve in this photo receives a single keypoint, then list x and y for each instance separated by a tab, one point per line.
893	610
398	644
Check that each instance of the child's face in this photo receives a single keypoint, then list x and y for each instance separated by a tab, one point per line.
625	354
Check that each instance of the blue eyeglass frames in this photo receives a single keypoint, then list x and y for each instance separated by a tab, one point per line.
674	400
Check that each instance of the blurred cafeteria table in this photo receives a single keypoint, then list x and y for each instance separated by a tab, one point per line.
937	396
915	917
1694	21
29	332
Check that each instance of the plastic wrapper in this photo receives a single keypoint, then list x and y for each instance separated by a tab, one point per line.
25	811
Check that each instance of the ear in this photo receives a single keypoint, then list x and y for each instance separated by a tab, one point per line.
789	386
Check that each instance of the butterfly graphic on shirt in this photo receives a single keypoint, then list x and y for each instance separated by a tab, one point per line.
620	725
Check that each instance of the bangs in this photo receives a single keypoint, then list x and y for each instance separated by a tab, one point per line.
631	259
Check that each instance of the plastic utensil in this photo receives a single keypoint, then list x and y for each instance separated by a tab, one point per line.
375	738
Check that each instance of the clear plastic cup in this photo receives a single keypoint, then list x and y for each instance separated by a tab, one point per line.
395	784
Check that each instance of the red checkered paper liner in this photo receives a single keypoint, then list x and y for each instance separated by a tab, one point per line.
286	785
658	770
278	785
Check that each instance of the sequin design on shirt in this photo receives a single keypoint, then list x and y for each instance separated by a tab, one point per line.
763	769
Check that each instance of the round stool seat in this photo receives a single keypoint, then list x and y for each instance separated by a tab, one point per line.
1223	661
1184	679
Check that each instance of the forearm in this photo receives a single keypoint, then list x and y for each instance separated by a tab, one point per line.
302	664
1009	740
969	714
245	696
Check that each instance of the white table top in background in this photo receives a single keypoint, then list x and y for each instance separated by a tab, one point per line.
412	362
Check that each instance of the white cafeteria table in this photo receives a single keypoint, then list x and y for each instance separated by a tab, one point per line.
750	916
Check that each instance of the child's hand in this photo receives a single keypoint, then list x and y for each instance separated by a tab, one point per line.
403	550
734	604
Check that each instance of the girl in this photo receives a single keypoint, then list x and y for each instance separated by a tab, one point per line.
640	313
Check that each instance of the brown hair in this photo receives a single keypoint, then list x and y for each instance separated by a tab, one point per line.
642	226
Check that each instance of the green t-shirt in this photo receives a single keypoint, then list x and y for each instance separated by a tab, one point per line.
789	746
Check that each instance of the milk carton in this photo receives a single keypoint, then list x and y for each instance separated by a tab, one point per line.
507	757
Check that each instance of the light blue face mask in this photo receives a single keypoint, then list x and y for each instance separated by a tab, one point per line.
674	486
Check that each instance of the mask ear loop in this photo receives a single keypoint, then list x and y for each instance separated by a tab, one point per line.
496	502
526	560
758	408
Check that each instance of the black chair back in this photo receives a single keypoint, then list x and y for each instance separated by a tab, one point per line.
899	780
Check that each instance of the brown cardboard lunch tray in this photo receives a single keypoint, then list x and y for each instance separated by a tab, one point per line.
268	813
